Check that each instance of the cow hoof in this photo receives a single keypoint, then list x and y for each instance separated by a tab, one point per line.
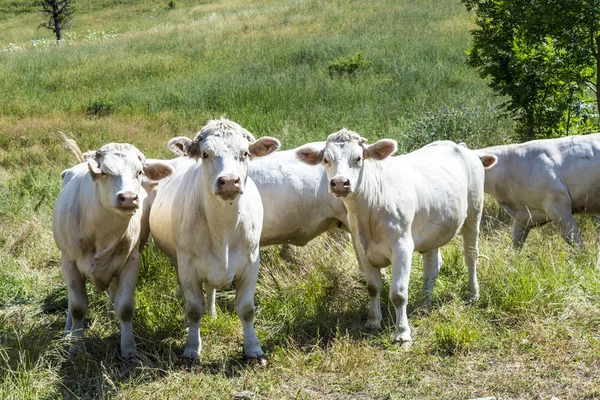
130	354
471	298
76	349
373	325
190	354
404	344
259	362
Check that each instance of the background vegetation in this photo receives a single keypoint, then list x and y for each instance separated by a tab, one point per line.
145	71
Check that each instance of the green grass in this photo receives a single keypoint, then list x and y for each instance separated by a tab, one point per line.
138	72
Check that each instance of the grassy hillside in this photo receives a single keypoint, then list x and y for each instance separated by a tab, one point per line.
136	71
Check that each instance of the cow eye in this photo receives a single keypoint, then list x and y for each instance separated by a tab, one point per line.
140	173
245	155
204	155
325	161
358	160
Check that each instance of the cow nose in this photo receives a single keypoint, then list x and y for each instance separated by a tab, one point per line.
340	183
230	181
127	200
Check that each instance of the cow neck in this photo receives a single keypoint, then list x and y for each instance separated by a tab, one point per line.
369	191
367	197
107	227
222	217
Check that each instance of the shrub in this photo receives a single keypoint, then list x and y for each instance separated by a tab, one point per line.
476	126
100	107
346	67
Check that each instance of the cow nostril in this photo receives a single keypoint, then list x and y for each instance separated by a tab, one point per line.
347	183
332	183
236	181
221	181
121	198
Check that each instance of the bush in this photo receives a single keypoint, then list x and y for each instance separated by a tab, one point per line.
100	107
476	126
346	67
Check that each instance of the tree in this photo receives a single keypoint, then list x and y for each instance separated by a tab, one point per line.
59	13
543	55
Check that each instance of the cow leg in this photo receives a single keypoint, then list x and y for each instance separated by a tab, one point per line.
374	283
211	294
78	304
562	216
124	304
401	264
519	234
244	308
112	292
432	261
470	233
194	308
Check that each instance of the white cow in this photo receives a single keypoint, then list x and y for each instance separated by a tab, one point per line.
208	220
96	225
397	205
546	180
296	202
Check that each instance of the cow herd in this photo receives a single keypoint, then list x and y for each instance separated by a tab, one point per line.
210	209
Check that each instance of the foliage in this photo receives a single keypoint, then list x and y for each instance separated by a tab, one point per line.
476	126
100	107
347	67
172	4
540	54
59	14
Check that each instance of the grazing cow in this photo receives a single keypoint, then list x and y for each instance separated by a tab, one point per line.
397	205
546	180
296	202
96	225
208	219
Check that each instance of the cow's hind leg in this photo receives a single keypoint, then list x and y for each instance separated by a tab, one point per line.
470	233
561	214
432	261
78	304
211	294
519	233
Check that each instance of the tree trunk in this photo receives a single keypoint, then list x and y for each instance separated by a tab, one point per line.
56	18
597	56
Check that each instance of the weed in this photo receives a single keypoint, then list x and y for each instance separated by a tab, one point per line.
347	67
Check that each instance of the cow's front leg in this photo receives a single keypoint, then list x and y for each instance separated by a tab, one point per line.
112	292
78	304
211	294
401	264
194	307
123	302
432	261
374	283
244	308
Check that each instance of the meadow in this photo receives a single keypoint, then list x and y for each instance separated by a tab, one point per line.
139	72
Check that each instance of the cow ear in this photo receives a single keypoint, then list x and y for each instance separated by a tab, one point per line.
263	146
183	146
156	170
381	149
94	168
310	155
488	160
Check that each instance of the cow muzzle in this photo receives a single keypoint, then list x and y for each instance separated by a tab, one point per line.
339	186
128	201
229	187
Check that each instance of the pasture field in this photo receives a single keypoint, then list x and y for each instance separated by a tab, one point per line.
136	71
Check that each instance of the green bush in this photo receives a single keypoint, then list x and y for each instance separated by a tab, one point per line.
346	67
100	107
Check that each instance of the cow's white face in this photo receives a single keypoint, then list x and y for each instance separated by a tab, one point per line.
118	176
343	158
225	149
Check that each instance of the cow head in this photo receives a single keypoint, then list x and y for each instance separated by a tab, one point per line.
343	157
117	170
225	149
